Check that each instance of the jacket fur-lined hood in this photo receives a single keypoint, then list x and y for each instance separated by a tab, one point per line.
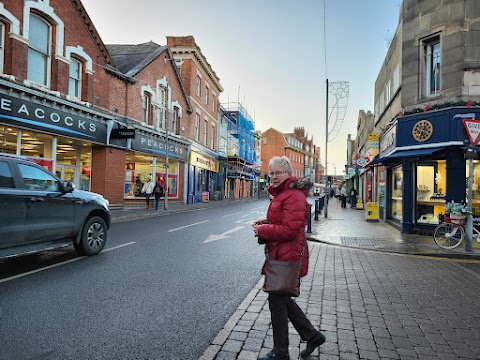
304	183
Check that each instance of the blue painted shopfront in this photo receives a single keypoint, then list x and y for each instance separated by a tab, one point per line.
422	156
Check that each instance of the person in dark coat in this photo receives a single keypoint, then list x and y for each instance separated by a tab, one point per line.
158	191
284	233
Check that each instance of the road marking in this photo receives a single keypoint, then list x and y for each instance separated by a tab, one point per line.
224	216
183	227
59	264
223	235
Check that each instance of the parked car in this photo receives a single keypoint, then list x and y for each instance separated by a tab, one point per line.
39	211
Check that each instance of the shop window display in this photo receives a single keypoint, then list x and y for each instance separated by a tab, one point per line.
397	200
475	188
431	188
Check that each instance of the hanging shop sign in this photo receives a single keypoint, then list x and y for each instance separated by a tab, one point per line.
28	114
122	134
362	161
156	145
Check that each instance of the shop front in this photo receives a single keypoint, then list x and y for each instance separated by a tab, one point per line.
152	155
56	136
202	178
421	165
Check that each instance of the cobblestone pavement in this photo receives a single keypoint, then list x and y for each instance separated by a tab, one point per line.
370	305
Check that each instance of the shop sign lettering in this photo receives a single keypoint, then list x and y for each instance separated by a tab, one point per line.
389	140
157	146
28	114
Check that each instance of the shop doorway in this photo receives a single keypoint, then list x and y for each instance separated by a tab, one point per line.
67	173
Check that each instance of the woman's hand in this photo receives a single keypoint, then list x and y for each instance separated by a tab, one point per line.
255	226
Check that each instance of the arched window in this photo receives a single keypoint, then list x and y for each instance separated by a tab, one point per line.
162	109
39	51
75	79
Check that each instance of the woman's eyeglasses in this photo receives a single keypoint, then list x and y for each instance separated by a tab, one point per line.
276	173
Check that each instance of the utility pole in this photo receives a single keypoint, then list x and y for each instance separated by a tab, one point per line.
165	202
325	211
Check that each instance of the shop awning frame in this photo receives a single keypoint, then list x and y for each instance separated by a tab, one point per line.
408	154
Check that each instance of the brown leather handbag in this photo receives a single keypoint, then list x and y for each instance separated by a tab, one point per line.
283	277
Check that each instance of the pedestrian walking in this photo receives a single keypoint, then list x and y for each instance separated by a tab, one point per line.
148	189
343	196
353	198
158	192
283	232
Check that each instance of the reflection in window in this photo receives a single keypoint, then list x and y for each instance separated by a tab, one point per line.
432	65
6	178
37	179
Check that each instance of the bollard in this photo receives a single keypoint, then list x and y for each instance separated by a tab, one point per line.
317	208
309	220
322	199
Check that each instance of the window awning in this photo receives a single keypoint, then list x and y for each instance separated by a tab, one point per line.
407	153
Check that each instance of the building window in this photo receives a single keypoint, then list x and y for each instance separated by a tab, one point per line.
197	126
199	81
213	101
205	130
75	79
432	67
396	78
382	102
175	121
147	109
39	51
2	46
212	137
206	94
387	93
162	108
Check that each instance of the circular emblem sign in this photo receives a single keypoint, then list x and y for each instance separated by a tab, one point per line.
362	162
422	131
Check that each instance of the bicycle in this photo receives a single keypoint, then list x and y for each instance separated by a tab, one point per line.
451	232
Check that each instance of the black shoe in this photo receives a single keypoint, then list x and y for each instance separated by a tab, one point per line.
312	344
273	356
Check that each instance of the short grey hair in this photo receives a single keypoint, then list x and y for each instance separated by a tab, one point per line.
282	162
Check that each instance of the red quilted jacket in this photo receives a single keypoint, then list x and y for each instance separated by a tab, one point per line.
287	217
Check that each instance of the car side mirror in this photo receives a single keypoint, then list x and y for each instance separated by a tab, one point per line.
68	187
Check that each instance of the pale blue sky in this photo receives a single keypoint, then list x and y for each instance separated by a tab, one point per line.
270	54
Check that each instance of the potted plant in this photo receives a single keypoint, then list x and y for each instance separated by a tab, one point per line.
456	210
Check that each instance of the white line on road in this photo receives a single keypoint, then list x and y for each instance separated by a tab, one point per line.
59	264
224	216
183	227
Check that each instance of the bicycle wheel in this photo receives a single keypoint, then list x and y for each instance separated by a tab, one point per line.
448	236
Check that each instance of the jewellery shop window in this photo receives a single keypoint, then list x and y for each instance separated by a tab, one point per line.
397	186
431	188
475	187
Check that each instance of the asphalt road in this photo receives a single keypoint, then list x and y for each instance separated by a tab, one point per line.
161	289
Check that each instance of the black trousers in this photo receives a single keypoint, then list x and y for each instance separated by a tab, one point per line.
282	309
344	201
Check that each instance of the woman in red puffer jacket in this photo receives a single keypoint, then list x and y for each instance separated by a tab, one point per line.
284	234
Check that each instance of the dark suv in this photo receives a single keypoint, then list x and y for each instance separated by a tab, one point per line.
38	211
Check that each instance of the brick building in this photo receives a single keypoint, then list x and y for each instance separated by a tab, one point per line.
203	88
96	119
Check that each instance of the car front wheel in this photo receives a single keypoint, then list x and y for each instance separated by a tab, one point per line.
93	237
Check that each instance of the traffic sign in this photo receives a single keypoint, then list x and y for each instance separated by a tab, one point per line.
473	130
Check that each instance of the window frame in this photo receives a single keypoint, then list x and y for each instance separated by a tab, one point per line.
430	54
212	137
46	56
197	126
2	46
199	85
147	108
78	82
205	131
